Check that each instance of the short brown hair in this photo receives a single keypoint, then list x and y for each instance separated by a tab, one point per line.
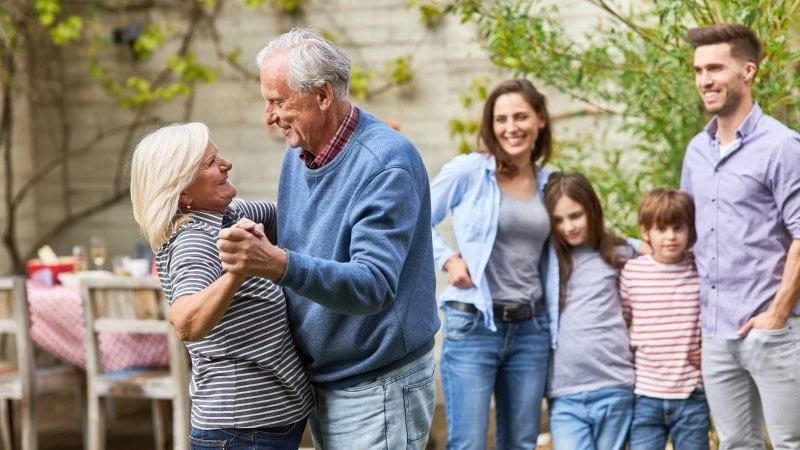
663	207
743	41
542	148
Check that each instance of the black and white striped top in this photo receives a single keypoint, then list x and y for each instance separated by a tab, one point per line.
246	372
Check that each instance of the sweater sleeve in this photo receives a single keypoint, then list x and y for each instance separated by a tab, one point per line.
382	225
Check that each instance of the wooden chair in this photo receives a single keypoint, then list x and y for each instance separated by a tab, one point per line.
133	305
20	379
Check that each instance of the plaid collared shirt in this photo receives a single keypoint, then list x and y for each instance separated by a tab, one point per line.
335	145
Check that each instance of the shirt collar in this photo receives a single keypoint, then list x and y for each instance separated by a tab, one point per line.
336	143
745	128
215	221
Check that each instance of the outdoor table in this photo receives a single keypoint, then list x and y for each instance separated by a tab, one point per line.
57	326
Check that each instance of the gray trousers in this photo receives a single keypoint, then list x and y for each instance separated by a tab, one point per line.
753	381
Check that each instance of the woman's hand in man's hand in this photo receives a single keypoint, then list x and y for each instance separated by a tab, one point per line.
458	272
244	249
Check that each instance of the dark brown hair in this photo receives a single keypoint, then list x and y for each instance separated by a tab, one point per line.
487	141
744	43
577	188
663	207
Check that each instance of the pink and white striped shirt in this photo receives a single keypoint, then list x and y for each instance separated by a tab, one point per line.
661	303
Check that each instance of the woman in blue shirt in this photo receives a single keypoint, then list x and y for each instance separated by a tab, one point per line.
502	298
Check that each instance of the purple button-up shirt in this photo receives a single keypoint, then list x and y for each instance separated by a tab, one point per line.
748	212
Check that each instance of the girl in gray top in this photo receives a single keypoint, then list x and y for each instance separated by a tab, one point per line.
591	373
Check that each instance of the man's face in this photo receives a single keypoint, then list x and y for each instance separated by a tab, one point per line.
297	115
721	79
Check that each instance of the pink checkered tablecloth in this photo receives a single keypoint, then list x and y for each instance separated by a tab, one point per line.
57	327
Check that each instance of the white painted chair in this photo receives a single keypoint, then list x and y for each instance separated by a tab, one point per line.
133	305
20	380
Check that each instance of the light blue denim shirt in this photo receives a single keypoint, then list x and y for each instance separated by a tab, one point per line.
467	187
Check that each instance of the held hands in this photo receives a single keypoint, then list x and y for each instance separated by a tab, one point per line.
458	272
767	320
244	249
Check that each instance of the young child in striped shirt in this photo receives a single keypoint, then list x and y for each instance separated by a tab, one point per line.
661	303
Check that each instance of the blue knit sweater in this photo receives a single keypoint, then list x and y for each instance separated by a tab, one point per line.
360	276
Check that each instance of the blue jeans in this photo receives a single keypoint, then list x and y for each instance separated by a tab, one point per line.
511	362
273	438
594	420
393	411
685	420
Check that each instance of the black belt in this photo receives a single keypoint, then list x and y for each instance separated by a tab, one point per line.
505	313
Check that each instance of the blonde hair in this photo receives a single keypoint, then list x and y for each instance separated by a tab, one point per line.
164	164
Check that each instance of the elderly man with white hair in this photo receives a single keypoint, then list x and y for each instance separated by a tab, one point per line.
354	251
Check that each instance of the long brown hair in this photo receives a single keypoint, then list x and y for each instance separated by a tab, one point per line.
487	141
577	188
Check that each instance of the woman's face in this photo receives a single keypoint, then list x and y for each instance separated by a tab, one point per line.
210	191
516	126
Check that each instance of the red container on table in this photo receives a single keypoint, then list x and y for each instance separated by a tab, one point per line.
47	274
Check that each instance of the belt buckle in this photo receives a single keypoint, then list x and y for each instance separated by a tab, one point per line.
506	317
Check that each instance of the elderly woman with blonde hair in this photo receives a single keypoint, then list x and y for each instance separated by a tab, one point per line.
248	385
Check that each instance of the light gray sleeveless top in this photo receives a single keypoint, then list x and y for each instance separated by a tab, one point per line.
513	268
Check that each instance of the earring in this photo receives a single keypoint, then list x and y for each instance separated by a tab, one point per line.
189	206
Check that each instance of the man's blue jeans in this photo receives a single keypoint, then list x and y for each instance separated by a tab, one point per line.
393	411
273	438
511	362
685	420
593	420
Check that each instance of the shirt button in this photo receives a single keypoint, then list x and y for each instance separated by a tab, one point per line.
713	200
713	287
712	228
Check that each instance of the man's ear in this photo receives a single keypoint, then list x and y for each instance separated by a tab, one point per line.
325	96
749	72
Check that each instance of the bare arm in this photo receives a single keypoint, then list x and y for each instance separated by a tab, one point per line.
194	316
785	300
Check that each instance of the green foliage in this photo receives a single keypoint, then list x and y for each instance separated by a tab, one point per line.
285	6
359	81
636	65
150	40
431	12
399	70
466	130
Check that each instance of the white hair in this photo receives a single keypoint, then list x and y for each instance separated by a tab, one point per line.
164	164
312	61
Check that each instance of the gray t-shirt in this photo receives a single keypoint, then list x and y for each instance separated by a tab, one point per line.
593	349
513	268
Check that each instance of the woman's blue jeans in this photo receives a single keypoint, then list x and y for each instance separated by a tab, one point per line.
511	362
285	437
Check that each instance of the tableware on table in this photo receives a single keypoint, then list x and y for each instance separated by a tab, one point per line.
138	267
97	251
81	258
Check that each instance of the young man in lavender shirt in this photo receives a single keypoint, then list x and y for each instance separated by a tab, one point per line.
743	171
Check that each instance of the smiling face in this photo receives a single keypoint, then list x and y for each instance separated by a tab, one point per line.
211	191
722	80
570	221
298	115
516	127
669	242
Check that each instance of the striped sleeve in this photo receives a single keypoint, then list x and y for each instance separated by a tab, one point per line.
194	263
262	212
